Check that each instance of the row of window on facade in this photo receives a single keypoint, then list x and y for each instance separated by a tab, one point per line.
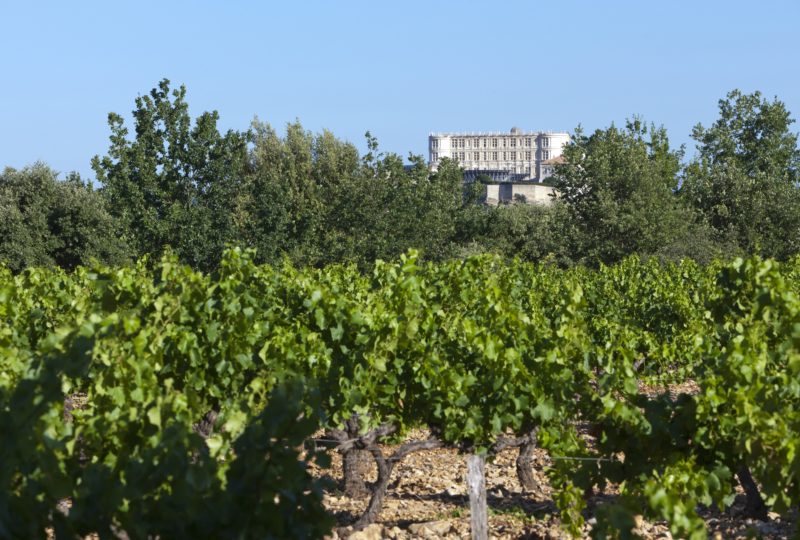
495	143
492	156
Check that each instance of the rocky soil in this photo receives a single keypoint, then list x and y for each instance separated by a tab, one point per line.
428	499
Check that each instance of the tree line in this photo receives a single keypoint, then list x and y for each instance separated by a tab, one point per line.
181	183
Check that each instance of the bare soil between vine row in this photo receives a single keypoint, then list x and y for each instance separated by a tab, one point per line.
427	498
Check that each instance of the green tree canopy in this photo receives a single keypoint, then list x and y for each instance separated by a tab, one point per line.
753	134
618	187
289	189
388	207
532	232
745	177
44	221
174	183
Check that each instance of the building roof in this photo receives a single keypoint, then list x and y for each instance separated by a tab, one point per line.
495	133
558	160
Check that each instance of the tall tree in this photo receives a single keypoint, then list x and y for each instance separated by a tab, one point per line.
745	177
388	207
754	134
617	185
312	198
290	188
174	183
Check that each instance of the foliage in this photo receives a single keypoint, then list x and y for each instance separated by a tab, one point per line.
753	133
45	222
388	208
617	185
474	350
287	182
745	177
313	200
531	232
310	198
127	457
174	184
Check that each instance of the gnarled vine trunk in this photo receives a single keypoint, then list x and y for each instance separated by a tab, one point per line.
524	465
385	467
205	427
754	506
524	462
355	464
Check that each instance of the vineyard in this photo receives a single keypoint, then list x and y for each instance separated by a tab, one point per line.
155	401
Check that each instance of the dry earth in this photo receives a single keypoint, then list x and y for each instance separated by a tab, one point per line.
427	499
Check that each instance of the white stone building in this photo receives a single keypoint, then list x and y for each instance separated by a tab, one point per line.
511	192
503	156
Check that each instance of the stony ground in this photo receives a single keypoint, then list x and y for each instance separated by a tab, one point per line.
428	500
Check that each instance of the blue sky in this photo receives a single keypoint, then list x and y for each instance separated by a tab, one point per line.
398	69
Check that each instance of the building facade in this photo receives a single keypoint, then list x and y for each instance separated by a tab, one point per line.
514	192
503	156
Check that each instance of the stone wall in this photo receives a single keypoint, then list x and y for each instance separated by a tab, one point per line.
505	193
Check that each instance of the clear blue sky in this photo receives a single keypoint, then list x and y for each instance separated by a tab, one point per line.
399	69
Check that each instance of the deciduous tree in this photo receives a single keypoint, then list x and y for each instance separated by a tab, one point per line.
745	177
618	187
44	221
173	183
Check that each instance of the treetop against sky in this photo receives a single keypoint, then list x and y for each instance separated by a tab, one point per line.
398	70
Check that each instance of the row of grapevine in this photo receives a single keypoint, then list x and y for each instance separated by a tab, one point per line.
158	400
